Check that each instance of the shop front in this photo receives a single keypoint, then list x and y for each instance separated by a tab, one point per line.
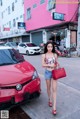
64	34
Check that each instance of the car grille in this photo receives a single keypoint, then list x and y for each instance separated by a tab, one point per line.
36	49
14	87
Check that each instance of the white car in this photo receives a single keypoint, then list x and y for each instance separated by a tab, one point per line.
28	48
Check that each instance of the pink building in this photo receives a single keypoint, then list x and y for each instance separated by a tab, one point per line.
57	18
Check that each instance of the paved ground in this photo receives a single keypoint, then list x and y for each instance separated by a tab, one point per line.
68	96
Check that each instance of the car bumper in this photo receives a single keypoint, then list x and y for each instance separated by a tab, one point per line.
14	97
34	52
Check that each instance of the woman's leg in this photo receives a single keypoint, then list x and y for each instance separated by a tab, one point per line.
54	93
48	83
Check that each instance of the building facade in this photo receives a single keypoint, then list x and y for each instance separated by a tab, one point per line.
51	18
12	20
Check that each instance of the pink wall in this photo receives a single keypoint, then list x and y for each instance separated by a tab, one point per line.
41	17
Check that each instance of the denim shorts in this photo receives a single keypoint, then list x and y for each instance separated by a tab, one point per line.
48	74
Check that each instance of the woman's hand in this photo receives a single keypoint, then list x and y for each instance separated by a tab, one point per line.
52	65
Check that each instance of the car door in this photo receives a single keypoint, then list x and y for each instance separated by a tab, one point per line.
24	48
21	48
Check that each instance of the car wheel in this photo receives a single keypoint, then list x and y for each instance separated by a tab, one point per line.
27	52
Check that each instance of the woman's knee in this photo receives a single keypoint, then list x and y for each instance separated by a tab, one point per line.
54	89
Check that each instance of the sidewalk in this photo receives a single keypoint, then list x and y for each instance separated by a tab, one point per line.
68	103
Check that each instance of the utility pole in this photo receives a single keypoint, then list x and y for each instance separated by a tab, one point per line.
78	30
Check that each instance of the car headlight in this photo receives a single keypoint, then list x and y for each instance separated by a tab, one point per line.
35	75
18	87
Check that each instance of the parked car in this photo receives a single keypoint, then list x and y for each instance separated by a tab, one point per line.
29	48
2	43
19	80
11	44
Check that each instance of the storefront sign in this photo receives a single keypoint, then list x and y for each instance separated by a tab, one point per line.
6	29
58	16
21	25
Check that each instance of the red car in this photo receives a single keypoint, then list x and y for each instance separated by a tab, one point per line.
19	80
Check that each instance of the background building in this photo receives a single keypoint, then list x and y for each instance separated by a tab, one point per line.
12	20
57	18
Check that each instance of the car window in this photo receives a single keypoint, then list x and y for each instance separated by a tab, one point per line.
10	56
2	44
22	45
31	45
7	44
13	43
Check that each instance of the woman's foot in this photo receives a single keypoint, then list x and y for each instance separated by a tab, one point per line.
50	104
54	112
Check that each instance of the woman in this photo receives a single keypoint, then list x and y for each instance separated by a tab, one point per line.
49	62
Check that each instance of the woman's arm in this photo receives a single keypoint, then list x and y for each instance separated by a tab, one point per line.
43	61
56	60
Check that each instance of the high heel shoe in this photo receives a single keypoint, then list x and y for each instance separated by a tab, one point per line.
54	112
50	104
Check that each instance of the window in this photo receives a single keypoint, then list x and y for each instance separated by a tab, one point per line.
13	6
28	13
14	22
3	27
42	1
35	5
16	18
1	3
22	45
8	9
15	1
21	16
2	15
10	24
51	4
22	2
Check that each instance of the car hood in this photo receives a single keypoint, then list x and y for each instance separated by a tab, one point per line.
16	73
32	48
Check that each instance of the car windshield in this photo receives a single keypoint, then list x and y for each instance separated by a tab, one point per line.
2	44
31	45
11	44
10	56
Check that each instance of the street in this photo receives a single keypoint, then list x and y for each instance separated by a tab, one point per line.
68	93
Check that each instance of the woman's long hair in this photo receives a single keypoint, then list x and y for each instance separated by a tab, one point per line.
45	48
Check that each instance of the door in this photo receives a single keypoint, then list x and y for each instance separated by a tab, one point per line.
37	38
73	38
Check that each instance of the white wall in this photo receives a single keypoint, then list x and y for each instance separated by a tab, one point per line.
68	39
18	11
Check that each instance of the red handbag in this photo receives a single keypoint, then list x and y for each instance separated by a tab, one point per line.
58	73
